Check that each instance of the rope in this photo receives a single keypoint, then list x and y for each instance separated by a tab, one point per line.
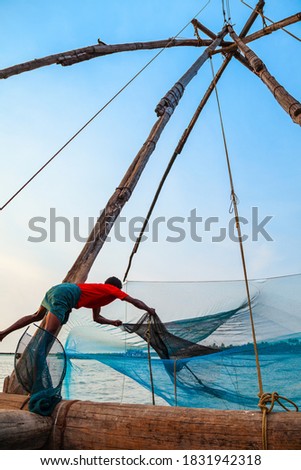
61	427
99	112
271	398
148	338
226	11
197	34
264	398
234	207
25	402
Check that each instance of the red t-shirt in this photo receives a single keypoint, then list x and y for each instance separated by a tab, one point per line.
98	295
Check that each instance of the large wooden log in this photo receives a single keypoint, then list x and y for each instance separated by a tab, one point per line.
109	426
23	430
85	425
290	104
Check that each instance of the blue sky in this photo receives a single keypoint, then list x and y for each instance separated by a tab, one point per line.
42	109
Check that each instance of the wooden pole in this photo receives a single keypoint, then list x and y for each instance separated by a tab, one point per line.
262	32
90	52
286	101
273	27
256	11
173	96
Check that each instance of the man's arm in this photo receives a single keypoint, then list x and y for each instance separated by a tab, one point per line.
139	304
102	320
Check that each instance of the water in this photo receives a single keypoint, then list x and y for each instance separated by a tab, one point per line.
93	381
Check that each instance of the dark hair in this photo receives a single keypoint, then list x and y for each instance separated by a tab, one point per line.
114	281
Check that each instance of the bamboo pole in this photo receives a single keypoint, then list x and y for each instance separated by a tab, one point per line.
256	11
90	52
98	50
263	32
197	24
273	27
173	96
286	101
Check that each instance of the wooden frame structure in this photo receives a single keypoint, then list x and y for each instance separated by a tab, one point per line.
216	44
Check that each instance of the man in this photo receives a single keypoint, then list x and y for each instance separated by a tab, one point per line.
61	299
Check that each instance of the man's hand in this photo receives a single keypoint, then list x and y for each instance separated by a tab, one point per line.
116	322
152	311
139	304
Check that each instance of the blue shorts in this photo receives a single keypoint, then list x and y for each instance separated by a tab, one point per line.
61	299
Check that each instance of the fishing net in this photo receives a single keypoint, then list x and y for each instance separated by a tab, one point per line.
40	367
198	351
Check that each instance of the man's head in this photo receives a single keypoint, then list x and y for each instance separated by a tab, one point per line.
114	281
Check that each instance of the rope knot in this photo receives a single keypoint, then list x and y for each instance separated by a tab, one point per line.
272	398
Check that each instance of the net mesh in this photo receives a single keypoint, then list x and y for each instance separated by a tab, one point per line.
40	367
202	352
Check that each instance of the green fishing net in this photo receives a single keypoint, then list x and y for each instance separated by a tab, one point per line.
40	367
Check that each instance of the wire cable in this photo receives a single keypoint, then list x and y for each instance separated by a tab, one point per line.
98	113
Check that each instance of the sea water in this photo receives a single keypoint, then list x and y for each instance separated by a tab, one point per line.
93	381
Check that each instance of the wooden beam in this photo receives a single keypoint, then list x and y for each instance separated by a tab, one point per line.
273	27
257	11
90	52
197	24
286	101
263	32
176	92
251	57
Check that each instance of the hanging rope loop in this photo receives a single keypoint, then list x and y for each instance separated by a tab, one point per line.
234	202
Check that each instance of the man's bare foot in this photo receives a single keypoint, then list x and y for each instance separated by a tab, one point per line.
2	336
